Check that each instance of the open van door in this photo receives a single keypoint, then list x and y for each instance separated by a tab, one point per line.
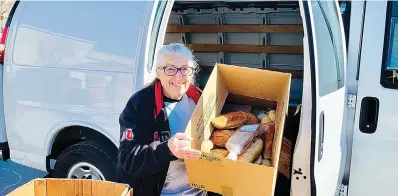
156	35
318	152
375	139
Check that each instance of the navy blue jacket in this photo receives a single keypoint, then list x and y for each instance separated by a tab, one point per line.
143	156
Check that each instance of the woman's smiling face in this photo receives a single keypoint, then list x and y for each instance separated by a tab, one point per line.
175	74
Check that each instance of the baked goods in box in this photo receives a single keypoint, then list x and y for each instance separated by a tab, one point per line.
207	145
219	152
269	138
271	115
229	120
251	153
220	136
242	138
265	119
253	136
251	119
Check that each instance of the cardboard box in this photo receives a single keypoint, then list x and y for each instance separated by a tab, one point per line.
237	85
71	187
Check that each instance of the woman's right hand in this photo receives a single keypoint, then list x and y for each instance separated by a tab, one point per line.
179	146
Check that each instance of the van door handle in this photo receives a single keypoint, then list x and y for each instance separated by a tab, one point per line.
321	135
369	115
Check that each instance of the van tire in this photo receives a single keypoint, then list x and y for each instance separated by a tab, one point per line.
87	152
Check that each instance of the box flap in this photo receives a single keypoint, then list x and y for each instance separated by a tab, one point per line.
40	187
72	187
281	113
83	187
245	81
27	189
208	107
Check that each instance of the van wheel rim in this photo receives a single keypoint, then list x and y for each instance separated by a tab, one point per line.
85	170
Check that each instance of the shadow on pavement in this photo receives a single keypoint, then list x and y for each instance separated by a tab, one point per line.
13	175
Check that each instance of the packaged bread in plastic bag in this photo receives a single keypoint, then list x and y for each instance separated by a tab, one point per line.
242	138
253	152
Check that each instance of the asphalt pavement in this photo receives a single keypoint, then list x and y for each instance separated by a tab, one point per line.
13	175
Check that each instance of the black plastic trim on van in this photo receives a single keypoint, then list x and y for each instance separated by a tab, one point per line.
313	96
5	151
48	164
369	115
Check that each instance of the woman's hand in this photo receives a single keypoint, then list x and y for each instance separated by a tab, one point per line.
179	146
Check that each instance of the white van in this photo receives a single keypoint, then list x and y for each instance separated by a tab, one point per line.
69	68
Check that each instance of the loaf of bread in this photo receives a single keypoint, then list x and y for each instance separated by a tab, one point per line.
265	119
271	115
219	152
251	153
251	119
229	120
266	162
269	138
207	145
220	136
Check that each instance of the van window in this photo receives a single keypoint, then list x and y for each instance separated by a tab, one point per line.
389	71
155	33
83	35
329	45
345	9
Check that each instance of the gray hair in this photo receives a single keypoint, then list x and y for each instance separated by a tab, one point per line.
179	49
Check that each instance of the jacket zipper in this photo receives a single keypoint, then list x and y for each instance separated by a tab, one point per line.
142	184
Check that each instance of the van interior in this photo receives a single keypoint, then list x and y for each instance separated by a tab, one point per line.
256	34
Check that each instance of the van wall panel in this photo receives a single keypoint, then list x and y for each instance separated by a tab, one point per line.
259	16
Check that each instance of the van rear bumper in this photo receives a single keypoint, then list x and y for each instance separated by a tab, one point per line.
5	151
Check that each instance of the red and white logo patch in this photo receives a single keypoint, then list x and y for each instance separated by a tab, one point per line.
128	134
156	136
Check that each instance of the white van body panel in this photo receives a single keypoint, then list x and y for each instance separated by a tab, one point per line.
3	133
47	62
321	127
374	155
353	57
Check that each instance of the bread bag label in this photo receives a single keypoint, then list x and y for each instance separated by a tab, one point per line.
249	128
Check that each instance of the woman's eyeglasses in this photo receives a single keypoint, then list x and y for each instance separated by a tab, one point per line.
172	71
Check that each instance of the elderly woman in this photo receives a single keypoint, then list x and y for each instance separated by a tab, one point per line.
153	144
